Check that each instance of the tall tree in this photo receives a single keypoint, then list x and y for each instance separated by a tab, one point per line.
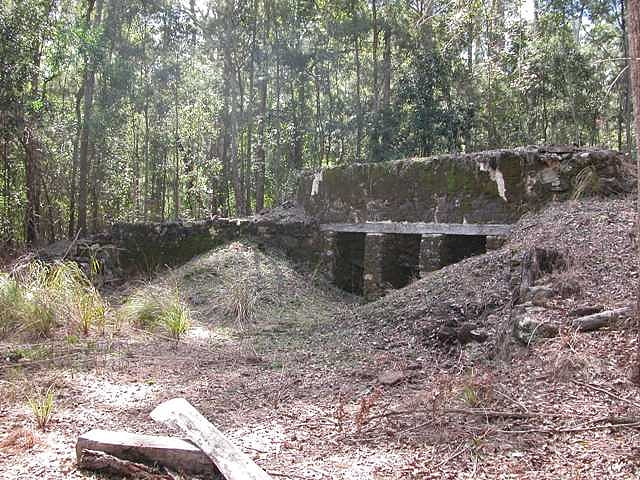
88	86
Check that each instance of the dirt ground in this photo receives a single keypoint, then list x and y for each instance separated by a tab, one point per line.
317	386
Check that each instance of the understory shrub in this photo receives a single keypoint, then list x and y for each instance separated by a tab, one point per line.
37	298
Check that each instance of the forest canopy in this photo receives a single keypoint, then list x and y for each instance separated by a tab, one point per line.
118	110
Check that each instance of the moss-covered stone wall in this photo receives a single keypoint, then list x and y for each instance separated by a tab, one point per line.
487	187
147	246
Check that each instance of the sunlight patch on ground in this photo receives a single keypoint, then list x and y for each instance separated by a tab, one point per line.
119	394
199	332
262	438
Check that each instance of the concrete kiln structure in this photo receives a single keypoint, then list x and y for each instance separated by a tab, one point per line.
380	225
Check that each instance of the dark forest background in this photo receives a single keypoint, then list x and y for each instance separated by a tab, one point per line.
117	110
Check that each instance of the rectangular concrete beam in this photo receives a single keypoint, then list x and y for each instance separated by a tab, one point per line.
420	228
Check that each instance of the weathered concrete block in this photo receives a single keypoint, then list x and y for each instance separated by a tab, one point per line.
486	187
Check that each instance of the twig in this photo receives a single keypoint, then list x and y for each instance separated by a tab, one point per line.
290	475
606	392
570	430
513	400
35	362
171	339
480	413
73	242
515	415
451	457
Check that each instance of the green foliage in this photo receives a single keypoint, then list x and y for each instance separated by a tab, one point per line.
42	406
157	307
176	319
176	134
38	298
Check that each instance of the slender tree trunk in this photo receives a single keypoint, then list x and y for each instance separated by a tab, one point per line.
230	76
261	150
96	168
32	162
374	134
277	160
6	167
375	98
633	29
71	231
176	178
358	97
386	93
84	160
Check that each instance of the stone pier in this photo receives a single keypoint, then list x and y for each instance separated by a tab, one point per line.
328	255
431	253
374	251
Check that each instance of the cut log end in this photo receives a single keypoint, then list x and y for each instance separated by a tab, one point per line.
170	452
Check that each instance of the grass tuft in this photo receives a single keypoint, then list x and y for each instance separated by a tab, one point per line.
157	307
242	302
42	406
37	298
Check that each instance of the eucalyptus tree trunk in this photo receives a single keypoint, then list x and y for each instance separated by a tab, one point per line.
261	150
73	183
633	29
386	92
89	87
374	134
232	117
356	54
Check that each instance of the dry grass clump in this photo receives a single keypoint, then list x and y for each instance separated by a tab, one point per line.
242	302
37	298
157	307
18	441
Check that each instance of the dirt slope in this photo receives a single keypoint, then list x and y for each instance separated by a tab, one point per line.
471	300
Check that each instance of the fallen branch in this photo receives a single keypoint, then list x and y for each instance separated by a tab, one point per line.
606	392
232	462
599	320
572	430
478	412
103	462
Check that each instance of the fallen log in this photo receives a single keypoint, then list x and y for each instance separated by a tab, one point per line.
232	462
105	463
599	320
584	310
173	453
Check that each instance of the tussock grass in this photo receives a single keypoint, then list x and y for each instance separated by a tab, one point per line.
156	307
37	298
42	406
242	302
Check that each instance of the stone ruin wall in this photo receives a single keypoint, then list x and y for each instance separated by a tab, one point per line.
487	187
494	187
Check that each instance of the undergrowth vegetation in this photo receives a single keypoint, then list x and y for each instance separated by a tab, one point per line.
38	298
42	406
156	307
